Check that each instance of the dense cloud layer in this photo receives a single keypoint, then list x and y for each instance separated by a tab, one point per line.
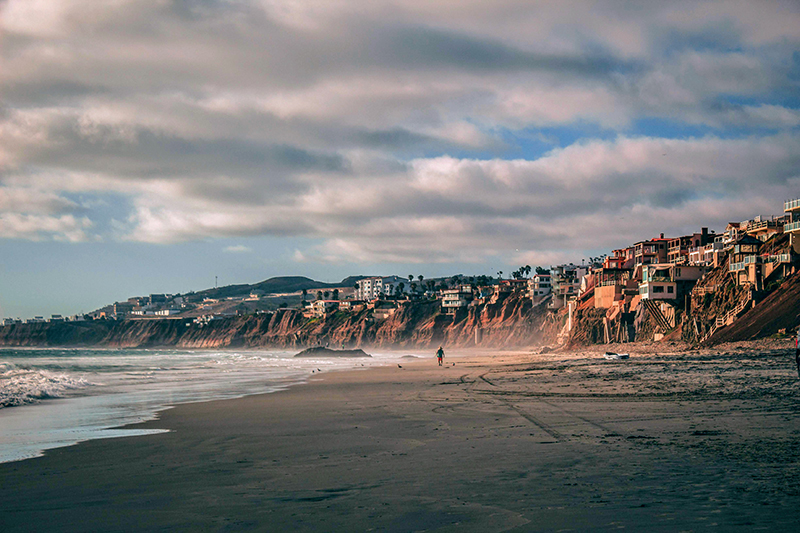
395	131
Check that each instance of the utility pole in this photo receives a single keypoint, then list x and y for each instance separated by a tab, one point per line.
215	282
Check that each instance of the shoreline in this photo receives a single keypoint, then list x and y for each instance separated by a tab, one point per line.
515	441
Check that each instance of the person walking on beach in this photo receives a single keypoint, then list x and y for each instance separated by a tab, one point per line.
440	355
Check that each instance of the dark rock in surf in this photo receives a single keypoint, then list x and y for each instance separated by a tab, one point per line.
321	351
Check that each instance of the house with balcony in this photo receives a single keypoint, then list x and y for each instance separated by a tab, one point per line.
320	308
680	247
455	299
651	251
791	209
711	254
669	281
513	285
763	228
613	281
733	231
565	281
744	262
539	287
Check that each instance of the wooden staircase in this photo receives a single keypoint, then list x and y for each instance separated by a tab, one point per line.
729	317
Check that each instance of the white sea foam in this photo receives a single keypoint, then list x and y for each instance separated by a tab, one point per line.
20	386
101	390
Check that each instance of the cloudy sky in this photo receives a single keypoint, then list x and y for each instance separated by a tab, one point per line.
150	145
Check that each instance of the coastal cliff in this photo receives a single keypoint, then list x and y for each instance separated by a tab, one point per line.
507	321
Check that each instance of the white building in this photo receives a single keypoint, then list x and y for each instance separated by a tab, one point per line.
323	307
539	286
167	312
565	283
373	288
454	299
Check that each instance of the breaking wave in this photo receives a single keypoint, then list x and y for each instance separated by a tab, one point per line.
20	385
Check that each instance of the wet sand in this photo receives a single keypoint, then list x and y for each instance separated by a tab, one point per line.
681	441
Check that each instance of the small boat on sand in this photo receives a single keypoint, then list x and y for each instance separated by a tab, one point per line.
614	355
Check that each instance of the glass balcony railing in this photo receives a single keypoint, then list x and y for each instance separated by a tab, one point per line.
780	258
793	226
735	267
791	204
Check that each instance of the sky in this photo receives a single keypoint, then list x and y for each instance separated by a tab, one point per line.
150	145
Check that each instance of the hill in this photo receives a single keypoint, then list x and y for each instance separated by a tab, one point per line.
277	285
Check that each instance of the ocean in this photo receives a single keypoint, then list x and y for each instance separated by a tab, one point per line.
50	398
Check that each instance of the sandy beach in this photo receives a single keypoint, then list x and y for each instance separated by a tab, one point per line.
668	440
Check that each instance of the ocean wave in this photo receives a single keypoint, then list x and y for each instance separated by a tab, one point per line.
21	385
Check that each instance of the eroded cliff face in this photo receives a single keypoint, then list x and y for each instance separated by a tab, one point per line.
511	321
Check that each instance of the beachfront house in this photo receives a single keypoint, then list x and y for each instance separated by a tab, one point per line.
669	281
651	251
565	281
744	263
791	209
455	299
680	247
763	228
539	287
613	279
320	308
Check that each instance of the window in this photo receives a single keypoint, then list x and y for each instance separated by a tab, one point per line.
658	288
670	289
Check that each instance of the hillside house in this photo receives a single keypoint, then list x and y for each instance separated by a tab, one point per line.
791	209
669	281
565	283
612	281
455	299
763	228
680	247
320	308
711	254
651	252
745	263
539	287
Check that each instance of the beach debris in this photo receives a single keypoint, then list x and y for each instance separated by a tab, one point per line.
398	366
615	356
